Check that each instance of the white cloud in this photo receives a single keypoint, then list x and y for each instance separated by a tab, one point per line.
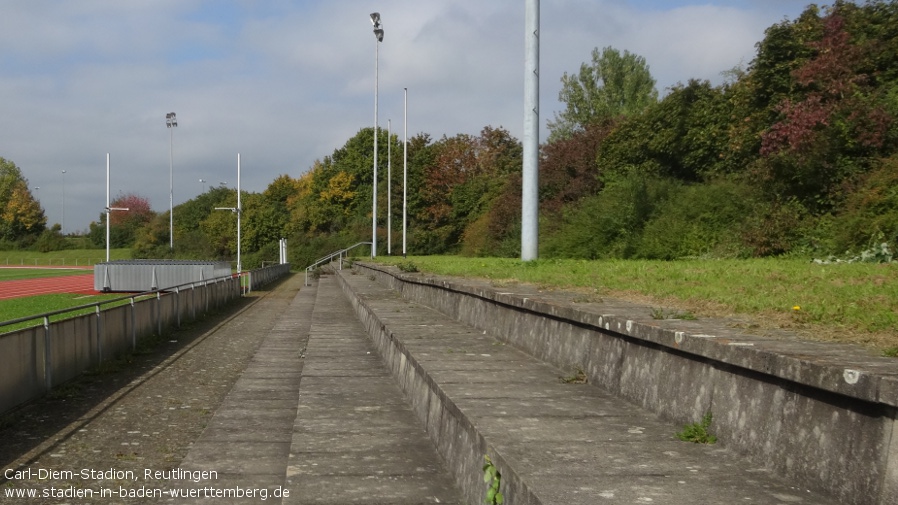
287	82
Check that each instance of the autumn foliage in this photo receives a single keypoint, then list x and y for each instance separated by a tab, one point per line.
796	153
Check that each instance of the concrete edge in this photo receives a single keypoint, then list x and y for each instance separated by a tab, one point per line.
836	368
794	407
456	438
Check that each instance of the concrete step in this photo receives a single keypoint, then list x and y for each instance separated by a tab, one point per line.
248	439
553	442
355	438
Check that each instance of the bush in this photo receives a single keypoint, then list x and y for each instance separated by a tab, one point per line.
870	213
610	224
698	221
777	228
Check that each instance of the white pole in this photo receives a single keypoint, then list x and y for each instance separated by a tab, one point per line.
530	191
108	213
404	170
171	191
374	198
239	264
63	202
389	184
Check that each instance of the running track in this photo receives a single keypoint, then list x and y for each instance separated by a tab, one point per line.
77	284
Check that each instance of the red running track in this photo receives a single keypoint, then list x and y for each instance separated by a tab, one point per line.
77	284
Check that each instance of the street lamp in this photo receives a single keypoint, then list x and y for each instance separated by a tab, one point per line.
389	186
171	122
404	167
203	183
379	37
63	202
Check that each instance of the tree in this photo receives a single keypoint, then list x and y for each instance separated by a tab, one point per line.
613	85
833	125
123	225
21	215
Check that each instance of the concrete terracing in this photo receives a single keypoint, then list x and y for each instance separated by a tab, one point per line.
317	418
554	442
820	416
360	392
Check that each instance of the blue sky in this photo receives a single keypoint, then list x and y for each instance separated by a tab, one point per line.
286	82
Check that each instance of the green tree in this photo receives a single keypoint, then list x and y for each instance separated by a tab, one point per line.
123	224
21	215
613	85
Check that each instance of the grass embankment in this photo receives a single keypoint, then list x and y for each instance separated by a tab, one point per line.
846	302
68	257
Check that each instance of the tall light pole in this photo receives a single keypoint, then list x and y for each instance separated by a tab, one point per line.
171	122
389	186
404	168
63	202
379	37
203	184
530	172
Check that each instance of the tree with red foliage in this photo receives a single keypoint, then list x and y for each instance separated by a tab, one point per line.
123	225
829	131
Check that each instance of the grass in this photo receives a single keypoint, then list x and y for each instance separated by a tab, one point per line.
68	257
847	302
15	308
698	433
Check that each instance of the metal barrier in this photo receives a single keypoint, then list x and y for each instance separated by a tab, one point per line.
330	257
48	353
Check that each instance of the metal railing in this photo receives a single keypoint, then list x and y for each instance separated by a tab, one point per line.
330	257
60	344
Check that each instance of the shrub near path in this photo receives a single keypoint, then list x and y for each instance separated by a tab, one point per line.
846	302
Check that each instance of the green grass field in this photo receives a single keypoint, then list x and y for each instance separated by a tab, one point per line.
16	308
69	257
856	302
22	307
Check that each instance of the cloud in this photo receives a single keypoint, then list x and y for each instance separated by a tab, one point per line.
287	82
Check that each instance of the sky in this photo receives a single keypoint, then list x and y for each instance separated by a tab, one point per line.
286	82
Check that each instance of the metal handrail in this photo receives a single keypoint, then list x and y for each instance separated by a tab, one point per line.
330	257
114	300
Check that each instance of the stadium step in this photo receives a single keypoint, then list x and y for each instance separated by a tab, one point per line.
554	440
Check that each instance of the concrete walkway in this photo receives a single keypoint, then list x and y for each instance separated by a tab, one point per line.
317	418
327	414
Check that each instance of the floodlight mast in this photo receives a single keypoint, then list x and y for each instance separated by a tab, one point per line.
379	37
171	122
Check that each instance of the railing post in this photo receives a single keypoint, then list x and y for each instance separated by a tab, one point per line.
48	363
133	326
99	335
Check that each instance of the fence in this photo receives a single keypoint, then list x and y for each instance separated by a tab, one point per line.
37	358
52	262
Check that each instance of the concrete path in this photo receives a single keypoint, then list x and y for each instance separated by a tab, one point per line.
356	439
317	418
248	439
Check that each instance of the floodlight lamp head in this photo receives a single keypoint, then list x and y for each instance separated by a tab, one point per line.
375	19
379	33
